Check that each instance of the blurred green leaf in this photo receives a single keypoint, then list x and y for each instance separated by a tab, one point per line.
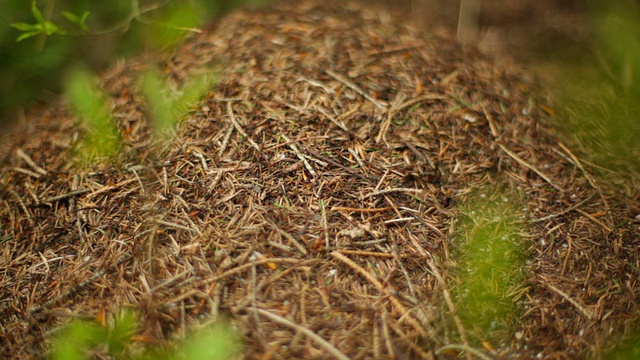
36	13
101	140
41	27
169	25
617	34
124	327
217	341
27	35
159	106
79	20
86	339
26	27
46	27
167	106
598	102
76	339
29	30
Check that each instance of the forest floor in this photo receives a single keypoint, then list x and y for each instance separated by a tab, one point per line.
339	193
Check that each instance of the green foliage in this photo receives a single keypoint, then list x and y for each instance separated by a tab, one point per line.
82	338
101	140
77	339
599	100
33	67
167	106
617	35
490	268
45	27
85	339
40	27
79	20
217	341
169	26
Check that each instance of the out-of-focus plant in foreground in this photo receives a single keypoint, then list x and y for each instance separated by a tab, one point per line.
167	106
490	265
55	34
118	338
599	100
101	140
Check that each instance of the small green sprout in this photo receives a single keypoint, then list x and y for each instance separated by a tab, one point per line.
168	106
101	140
79	20
46	27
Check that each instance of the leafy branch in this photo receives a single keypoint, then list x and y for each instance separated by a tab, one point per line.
46	27
41	26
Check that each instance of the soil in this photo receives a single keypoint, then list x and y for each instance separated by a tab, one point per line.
314	198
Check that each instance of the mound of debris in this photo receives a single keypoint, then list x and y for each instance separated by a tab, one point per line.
312	198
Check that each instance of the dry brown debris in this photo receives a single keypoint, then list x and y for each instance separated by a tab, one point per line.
311	198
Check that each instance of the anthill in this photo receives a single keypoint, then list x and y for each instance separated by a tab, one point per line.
324	195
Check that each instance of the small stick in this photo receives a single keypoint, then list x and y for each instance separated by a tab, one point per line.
60	197
135	173
239	128
30	161
246	266
325	224
357	89
225	141
317	84
592	218
393	110
492	125
299	155
176	226
337	164
193	224
517	158
584	311
27	172
366	253
333	120
108	188
313	336
291	238
363	210
170	281
591	181
392	190
375	282
551	216
387	336
420	98
529	166
409	342
396	49
395	221
79	286
422	157
351	111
